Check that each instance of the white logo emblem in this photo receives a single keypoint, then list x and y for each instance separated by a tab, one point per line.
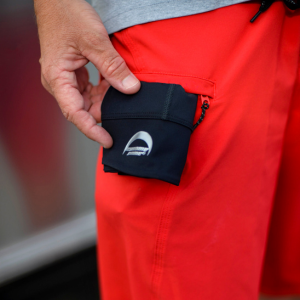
138	151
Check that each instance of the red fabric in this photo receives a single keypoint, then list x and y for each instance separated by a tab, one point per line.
206	238
281	274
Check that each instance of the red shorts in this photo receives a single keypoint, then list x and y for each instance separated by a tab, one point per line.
206	238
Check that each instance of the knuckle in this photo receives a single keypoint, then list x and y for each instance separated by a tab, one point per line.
50	73
67	115
82	121
113	66
52	82
51	77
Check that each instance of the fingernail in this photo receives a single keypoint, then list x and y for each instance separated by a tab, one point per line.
130	81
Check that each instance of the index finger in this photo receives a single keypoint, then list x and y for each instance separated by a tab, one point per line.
72	105
87	125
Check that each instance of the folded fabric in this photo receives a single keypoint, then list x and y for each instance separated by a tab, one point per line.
151	131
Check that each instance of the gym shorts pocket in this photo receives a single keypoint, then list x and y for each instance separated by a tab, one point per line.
151	131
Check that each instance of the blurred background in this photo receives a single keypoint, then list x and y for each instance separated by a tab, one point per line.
47	167
47	173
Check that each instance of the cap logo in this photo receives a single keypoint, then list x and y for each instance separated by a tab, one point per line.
138	151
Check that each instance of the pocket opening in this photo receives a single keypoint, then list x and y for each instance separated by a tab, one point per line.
191	84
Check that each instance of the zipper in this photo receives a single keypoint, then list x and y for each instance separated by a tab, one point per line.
205	105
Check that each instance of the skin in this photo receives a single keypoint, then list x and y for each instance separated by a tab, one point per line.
71	34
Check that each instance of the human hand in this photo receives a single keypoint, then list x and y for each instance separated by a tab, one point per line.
72	34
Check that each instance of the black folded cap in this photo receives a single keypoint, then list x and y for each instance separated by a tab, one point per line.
150	129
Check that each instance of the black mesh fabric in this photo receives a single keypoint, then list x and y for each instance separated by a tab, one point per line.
150	129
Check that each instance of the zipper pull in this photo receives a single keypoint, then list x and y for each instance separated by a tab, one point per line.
205	105
265	4
205	100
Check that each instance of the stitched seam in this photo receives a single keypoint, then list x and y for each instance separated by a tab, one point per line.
140	115
178	75
131	48
215	90
147	116
160	246
137	56
168	102
126	42
213	81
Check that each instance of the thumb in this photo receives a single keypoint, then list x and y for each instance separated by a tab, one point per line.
111	65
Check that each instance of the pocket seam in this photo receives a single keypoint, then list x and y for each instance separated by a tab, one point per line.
210	82
137	58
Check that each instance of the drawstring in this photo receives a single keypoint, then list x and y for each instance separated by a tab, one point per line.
265	4
204	107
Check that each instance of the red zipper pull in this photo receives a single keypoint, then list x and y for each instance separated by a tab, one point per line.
204	99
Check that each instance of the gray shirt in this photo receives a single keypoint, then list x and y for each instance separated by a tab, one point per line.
119	14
